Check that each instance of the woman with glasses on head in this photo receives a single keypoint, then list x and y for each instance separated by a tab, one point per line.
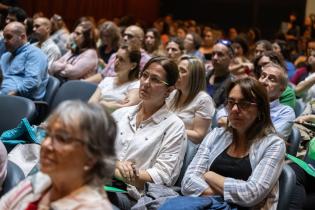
77	156
240	163
123	89
81	60
189	101
151	140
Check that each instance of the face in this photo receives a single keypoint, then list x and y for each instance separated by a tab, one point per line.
12	41
132	35
173	51
78	36
276	48
270	78
189	42
208	38
153	86
264	61
259	50
241	113
182	81
10	18
40	29
149	39
220	56
122	62
238	50
105	37
58	150
181	33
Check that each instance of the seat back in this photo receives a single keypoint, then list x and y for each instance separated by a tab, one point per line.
51	89
13	109
286	185
294	141
14	176
72	90
191	151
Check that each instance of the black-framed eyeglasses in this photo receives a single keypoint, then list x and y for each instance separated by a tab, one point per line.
226	43
241	105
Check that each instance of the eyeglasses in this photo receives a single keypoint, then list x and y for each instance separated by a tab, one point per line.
152	79
226	43
62	138
241	105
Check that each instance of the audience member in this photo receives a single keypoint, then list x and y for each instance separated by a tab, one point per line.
151	140
262	46
81	60
59	33
152	42
189	101
42	28
76	157
174	49
219	77
207	45
241	163
192	43
24	66
123	89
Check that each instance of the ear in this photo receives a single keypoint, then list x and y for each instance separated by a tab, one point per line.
133	65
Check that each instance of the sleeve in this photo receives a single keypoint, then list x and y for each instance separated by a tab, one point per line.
284	122
59	64
35	65
169	160
134	85
53	55
205	107
263	178
193	182
109	69
86	62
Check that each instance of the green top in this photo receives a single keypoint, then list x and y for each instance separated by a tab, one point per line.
288	97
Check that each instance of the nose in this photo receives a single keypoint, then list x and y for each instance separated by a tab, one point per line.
235	108
47	143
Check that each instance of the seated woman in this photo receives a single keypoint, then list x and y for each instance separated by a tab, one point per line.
151	140
152	42
122	90
81	60
174	49
76	157
241	163
189	101
192	43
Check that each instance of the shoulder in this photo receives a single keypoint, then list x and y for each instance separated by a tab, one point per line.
272	140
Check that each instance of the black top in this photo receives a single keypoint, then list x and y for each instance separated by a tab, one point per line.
227	166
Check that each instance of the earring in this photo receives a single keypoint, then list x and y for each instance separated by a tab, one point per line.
86	168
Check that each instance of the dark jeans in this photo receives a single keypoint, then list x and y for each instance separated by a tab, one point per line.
303	196
122	200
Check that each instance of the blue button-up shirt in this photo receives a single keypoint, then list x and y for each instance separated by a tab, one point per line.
25	72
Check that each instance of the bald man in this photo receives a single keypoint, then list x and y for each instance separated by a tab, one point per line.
24	66
134	36
42	29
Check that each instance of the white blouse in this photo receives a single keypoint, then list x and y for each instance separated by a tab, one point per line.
201	106
112	92
158	145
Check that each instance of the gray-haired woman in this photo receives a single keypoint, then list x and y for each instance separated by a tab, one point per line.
76	157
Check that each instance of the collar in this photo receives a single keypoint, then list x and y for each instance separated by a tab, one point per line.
20	49
274	103
162	114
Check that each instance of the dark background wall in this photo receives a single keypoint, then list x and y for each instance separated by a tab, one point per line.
265	14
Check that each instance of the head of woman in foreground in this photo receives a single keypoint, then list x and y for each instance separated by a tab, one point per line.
79	144
248	109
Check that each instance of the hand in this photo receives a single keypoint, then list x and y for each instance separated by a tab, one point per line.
12	93
303	118
127	170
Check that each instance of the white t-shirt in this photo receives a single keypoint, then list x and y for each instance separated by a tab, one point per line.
201	106
111	92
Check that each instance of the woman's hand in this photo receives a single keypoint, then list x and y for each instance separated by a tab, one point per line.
127	171
215	182
305	118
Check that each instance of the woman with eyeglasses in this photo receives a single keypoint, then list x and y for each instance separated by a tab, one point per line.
77	156
189	101
123	89
241	163
151	140
81	60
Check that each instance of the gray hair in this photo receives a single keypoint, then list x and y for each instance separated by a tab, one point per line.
98	131
283	80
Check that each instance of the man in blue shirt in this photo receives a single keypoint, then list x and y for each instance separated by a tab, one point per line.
24	66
